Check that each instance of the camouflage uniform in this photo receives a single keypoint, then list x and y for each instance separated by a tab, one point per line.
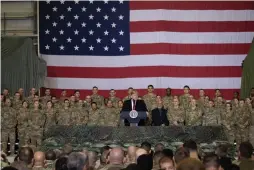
30	99
184	101
36	122
150	101
176	115
50	118
84	114
73	104
127	98
193	116
220	107
8	124
242	118
17	104
45	99
114	100
64	116
95	118
228	122
211	117
23	116
202	104
87	106
112	167
110	117
99	100
167	102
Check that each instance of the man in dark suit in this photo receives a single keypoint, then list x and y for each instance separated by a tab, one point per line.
159	114
134	104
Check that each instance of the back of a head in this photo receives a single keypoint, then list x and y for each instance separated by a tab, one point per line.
147	146
181	154
225	162
39	157
61	163
50	155
77	161
67	149
166	163
246	150
168	153
190	164
211	161
145	162
191	145
116	156
140	151
19	165
159	147
26	155
157	156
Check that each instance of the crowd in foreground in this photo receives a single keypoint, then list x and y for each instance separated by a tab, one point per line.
143	157
31	116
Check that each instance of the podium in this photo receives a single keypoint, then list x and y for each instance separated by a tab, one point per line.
133	116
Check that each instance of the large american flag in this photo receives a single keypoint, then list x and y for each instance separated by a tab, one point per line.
121	44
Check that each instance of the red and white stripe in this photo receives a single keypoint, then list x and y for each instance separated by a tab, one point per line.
200	44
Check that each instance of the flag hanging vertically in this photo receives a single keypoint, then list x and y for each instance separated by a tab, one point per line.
121	44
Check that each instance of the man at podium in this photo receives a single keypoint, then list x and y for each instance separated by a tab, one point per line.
134	104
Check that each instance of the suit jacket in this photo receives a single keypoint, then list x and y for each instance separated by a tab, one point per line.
159	117
140	106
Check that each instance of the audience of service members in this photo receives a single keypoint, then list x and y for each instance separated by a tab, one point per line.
36	114
142	157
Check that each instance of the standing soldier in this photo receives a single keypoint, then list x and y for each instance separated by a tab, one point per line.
184	99
119	106
252	93
228	122
21	92
248	104
243	120
211	116
193	115
23	116
110	116
176	114
218	96
88	103
130	90
6	93
50	113
55	103
113	98
97	98
220	105
64	115
36	121
47	96
73	101
17	102
63	96
77	95
167	100
150	98
95	116
201	100
80	114
8	125
31	95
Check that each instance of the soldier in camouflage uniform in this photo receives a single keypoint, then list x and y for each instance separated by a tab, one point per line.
56	103
50	113
88	103
8	124
2	99
168	99
73	102
97	98
220	105
47	97
193	115
17	102
211	116
63	96
235	104
248	104
21	92
6	93
201	100
150	98
113	98
64	115
23	116
184	99
36	123
110	116
217	97
130	90
95	116
243	120
119	107
176	114
79	114
77	95
31	96
228	122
